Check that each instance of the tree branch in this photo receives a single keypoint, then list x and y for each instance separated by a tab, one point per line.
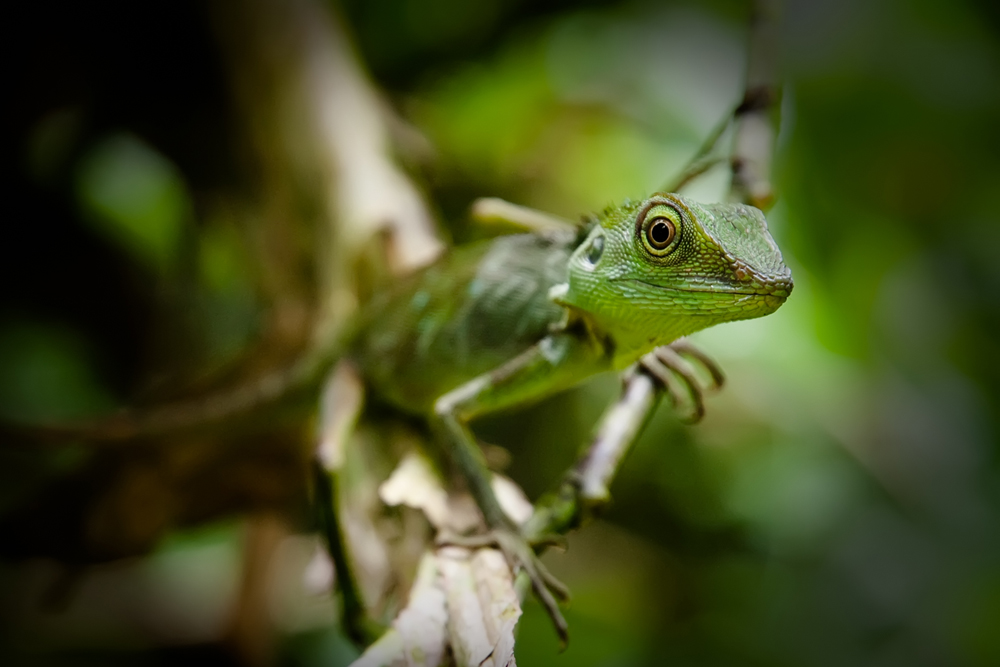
755	118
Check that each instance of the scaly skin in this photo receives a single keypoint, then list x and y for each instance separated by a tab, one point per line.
515	319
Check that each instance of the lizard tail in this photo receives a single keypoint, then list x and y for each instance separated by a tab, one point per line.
304	374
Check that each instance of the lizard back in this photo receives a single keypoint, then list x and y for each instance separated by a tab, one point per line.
474	309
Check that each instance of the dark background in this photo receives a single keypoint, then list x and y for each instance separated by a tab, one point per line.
840	505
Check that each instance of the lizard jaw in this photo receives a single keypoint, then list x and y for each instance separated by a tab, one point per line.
777	290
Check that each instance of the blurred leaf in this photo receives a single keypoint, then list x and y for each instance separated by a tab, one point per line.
45	375
136	197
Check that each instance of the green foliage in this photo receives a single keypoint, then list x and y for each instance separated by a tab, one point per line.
136	198
46	374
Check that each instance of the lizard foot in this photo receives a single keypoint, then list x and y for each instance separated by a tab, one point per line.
520	554
673	367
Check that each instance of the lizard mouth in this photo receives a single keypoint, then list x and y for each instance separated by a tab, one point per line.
778	290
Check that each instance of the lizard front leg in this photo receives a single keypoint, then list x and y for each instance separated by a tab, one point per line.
673	367
558	361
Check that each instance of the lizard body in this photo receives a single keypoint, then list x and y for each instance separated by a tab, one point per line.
484	304
610	293
514	319
511	321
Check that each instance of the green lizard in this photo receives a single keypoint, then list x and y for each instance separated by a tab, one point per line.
511	320
517	318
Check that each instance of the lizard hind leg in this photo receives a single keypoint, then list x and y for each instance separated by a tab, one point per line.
501	533
557	362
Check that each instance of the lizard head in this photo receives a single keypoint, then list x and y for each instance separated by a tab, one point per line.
651	271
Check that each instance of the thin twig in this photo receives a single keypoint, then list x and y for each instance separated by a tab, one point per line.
694	169
753	145
585	488
495	211
703	160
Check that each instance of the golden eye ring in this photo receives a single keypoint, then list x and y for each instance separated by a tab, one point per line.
659	227
660	233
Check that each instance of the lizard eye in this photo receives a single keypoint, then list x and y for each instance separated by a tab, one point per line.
660	233
595	251
659	228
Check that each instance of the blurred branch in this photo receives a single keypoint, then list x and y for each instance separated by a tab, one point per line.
320	123
495	211
586	486
340	406
368	195
703	159
328	130
755	123
420	629
251	630
753	137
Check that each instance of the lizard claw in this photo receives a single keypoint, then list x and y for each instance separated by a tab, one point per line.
686	349
671	366
521	555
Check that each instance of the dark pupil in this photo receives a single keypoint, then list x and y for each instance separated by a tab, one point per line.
660	232
596	250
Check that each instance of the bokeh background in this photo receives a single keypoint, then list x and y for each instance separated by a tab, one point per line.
840	503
